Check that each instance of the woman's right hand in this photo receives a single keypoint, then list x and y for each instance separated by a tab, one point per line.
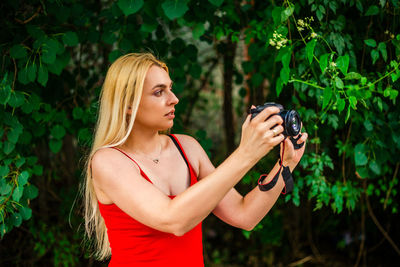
259	136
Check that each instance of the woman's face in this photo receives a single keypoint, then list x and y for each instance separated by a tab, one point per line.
157	105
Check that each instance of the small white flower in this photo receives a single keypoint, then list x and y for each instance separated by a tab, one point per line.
300	29
314	35
271	42
333	64
300	22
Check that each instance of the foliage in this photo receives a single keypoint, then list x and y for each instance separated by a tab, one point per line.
336	62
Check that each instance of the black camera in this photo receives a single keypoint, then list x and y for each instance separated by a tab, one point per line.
291	119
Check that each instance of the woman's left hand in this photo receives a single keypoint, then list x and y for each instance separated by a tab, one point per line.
292	156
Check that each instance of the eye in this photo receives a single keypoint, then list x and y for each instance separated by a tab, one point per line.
158	92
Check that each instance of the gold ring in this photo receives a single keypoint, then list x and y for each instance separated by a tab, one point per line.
275	131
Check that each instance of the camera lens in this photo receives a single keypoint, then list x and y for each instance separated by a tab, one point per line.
292	123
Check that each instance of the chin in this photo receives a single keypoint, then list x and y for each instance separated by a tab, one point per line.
167	128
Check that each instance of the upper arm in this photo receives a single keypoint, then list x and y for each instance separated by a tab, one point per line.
227	209
197	157
119	179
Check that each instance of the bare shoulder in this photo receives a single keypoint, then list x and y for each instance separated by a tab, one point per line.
107	161
187	141
203	166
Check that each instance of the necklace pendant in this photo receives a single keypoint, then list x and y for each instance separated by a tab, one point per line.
155	161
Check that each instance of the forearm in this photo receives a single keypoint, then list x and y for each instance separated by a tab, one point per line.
256	204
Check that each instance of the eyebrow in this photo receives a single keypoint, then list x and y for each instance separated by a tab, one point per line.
162	85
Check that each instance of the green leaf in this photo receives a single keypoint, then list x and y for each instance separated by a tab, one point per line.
17	193
339	83
50	49
37	170
370	42
372	10
279	86
31	70
31	191
257	79
348	114
148	27
360	156
23	75
375	168
342	63
5	189
23	178
285	75
368	125
362	171
333	120
393	94
198	31
4	170
13	135
174	8
43	75
341	103
18	51
55	145
353	101
353	76
323	62
19	162
382	49
327	96
16	219
26	213
130	6
216	2
16	99
8	147
5	94
70	38
287	13
195	71
310	49
286	59
58	131
77	113
276	15
374	55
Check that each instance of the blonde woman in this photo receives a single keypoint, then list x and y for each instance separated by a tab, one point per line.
146	192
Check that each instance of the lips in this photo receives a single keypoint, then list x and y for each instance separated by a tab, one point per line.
171	113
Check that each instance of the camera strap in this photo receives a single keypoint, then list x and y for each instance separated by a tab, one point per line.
286	174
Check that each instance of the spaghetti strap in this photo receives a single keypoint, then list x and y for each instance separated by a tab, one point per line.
193	176
141	171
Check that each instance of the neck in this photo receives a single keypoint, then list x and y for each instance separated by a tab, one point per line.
145	141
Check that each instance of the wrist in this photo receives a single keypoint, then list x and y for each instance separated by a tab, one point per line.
290	164
246	156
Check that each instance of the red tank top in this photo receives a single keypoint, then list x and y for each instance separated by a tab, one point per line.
135	244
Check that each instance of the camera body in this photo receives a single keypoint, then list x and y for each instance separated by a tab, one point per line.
291	119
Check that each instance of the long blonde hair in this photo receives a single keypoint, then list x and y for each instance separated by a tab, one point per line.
122	88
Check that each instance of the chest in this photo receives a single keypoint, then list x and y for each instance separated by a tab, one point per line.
171	175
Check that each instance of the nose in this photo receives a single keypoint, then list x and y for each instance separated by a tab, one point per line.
173	100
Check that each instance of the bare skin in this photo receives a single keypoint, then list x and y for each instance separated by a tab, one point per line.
117	179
